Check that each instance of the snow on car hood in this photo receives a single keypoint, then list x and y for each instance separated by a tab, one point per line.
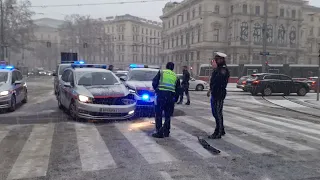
105	91
146	85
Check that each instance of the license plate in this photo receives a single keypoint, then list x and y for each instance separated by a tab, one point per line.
107	110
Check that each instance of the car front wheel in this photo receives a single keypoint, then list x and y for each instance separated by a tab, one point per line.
13	104
199	87
73	111
302	91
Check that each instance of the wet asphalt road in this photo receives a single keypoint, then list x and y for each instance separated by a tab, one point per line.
264	141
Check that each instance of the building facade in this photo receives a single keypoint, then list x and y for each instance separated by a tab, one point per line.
133	40
194	29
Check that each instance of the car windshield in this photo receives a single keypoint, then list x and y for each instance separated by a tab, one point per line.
3	76
96	78
63	67
142	75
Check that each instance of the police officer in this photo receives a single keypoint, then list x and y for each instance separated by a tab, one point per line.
185	85
218	85
166	85
110	68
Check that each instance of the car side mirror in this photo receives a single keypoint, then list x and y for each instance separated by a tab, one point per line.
123	78
17	82
67	84
54	74
192	79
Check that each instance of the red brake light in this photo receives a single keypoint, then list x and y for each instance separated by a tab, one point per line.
313	83
255	82
244	82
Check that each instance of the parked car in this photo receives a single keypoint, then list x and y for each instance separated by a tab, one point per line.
267	84
195	84
241	83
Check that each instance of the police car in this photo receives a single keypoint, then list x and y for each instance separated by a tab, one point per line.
58	73
90	91
13	88
139	82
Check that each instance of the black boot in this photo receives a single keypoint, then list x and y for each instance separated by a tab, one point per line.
157	135
188	103
215	136
223	132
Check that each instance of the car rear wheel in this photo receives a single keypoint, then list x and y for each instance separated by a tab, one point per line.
25	99
302	91
199	87
13	104
267	91
59	102
253	93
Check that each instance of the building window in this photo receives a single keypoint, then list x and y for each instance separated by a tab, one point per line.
216	35
245	9
187	38
181	40
311	31
192	37
312	18
177	41
257	10
172	22
200	9
163	43
182	17
231	9
318	31
142	30
168	45
191	56
281	12
217	9
188	15
199	32
193	13
198	55
293	14
172	42
178	20
147	29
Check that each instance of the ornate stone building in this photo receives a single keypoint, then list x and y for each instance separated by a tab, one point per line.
134	40
235	27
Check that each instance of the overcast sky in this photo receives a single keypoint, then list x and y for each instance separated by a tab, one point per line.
150	10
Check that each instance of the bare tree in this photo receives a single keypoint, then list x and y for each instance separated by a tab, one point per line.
18	25
86	36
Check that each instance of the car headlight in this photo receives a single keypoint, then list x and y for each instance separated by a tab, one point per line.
4	93
131	90
84	99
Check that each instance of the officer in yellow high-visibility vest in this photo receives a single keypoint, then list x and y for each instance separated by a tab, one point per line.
166	84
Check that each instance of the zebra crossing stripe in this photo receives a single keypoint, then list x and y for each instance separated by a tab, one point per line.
189	141
269	137
228	138
165	175
34	157
151	151
269	127
94	153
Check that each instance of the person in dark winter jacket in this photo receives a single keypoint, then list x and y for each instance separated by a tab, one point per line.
185	85
218	84
166	85
110	68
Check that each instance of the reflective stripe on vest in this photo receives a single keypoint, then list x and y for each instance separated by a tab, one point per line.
167	80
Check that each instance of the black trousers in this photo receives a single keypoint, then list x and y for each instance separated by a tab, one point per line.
165	103
184	90
217	108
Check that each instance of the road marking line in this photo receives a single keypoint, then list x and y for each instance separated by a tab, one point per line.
189	141
244	144
269	127
34	157
268	137
146	146
94	153
165	175
286	103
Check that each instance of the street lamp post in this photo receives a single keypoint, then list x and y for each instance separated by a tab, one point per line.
2	31
265	26
318	80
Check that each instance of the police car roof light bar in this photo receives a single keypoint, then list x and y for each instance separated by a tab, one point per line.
6	67
103	66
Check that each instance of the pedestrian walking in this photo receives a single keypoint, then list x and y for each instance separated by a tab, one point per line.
185	85
166	85
218	84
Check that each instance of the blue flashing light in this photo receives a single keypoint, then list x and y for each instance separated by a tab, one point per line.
7	67
145	97
79	62
137	66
